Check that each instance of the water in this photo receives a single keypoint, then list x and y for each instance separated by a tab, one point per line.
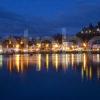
50	77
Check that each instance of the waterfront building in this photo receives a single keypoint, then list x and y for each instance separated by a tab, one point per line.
46	45
96	47
55	46
65	46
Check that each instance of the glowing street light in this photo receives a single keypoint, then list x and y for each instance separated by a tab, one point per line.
21	42
17	46
38	45
84	44
9	42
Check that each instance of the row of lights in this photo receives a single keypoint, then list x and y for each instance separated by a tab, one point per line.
55	47
90	31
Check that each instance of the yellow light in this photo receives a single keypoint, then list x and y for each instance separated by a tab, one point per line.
47	45
64	61
39	62
39	45
55	45
9	42
47	61
56	62
72	59
10	63
98	58
67	48
22	63
17	46
21	42
84	44
17	59
97	49
67	60
84	61
72	46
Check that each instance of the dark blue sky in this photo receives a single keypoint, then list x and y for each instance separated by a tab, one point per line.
53	15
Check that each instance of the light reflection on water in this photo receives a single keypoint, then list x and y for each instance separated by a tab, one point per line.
1	61
88	65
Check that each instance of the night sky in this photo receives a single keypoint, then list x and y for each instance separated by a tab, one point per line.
51	16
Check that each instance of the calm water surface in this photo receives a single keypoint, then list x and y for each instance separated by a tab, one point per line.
50	77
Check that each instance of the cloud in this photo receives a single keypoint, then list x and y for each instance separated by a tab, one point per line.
73	16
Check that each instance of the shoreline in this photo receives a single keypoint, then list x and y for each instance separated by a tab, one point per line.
60	52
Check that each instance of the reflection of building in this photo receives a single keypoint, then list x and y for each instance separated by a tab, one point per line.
1	61
96	58
1	51
76	62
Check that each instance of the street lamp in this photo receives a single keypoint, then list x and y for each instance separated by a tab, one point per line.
17	47
84	44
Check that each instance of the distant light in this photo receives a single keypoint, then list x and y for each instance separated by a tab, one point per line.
9	42
1	50
21	42
98	30
17	46
38	45
84	44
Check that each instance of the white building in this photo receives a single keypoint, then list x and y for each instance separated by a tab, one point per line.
96	46
65	46
55	46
